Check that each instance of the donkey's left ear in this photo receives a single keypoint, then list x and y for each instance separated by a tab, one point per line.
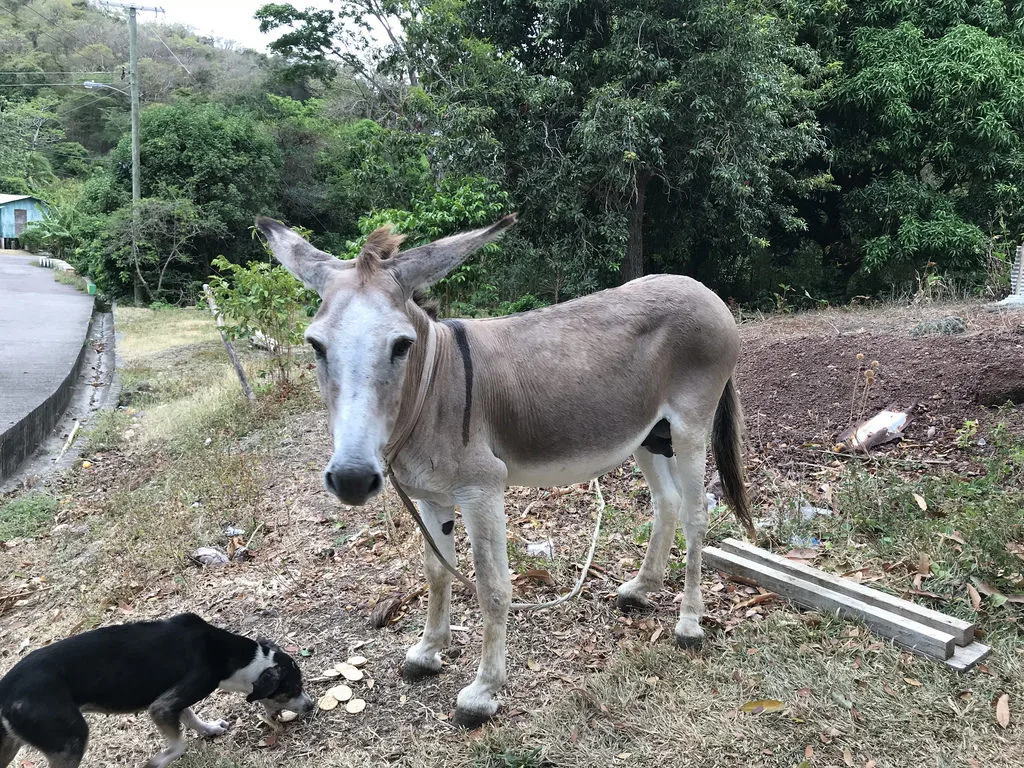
419	268
311	266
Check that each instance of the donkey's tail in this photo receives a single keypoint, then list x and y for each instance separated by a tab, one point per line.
727	445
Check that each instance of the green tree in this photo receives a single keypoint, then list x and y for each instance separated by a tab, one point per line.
225	164
927	123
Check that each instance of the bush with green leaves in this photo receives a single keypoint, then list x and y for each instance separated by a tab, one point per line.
457	204
264	302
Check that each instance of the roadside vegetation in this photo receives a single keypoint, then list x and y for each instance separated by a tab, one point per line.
185	457
631	140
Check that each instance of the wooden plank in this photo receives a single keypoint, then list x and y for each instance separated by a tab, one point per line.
962	631
965	658
908	633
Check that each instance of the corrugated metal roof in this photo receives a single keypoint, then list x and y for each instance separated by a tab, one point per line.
12	198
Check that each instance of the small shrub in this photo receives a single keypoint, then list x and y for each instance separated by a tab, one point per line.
946	326
264	301
26	516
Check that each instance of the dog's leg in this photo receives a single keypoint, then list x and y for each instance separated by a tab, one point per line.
8	748
168	722
206	729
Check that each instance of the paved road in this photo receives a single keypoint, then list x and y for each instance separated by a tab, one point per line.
42	327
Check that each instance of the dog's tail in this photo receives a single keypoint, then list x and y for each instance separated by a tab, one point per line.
727	444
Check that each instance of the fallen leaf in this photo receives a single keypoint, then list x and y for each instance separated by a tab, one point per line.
985	589
803	692
355	706
954	536
541	575
86	464
269	741
340	693
808	752
920	501
847	756
869	764
1003	711
924	564
1018	599
327	702
755	600
912	681
762	706
532	663
801	554
972	593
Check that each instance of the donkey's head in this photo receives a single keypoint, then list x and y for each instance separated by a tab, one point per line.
362	336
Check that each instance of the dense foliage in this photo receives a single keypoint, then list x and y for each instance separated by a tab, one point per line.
830	147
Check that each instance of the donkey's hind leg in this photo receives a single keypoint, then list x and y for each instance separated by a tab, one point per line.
424	658
691	462
660	473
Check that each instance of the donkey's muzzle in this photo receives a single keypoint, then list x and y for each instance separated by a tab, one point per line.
353	485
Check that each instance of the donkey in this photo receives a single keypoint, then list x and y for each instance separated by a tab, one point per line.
461	409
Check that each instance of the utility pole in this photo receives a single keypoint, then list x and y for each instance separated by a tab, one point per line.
133	65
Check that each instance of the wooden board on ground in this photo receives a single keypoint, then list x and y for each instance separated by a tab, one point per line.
962	631
965	658
906	632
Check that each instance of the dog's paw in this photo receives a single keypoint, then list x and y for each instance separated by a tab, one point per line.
216	728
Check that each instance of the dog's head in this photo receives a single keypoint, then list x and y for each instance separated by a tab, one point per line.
279	685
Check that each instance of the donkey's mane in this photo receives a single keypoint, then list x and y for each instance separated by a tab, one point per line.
382	244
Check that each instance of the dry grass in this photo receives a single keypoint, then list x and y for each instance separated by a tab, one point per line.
587	686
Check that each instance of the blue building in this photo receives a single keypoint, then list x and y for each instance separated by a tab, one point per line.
16	211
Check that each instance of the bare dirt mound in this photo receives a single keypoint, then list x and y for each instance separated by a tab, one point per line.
801	391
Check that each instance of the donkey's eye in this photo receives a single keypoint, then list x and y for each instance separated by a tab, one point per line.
318	349
400	348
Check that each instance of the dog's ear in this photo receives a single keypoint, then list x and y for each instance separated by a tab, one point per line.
266	685
267	645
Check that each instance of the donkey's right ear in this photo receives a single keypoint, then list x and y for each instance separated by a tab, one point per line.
311	266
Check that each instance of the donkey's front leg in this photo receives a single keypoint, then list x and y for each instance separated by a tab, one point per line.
424	658
483	512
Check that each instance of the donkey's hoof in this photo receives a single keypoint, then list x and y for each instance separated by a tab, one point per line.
470	720
689	635
689	643
633	602
414	671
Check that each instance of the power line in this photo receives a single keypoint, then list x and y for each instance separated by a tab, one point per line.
38	85
36	73
157	34
52	21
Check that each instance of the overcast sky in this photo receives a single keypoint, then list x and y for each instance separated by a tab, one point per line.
227	19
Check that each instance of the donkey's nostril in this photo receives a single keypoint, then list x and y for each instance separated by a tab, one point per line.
375	483
353	485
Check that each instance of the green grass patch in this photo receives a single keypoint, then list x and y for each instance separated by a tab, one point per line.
107	431
26	516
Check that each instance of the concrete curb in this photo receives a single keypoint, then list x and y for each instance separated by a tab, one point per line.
20	440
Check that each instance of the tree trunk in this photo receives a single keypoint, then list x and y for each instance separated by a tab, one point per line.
633	263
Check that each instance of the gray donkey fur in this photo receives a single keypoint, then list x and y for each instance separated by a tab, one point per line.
550	397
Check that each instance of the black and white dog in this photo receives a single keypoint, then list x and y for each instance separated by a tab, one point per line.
163	666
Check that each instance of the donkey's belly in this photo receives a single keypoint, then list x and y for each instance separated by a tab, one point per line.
565	470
